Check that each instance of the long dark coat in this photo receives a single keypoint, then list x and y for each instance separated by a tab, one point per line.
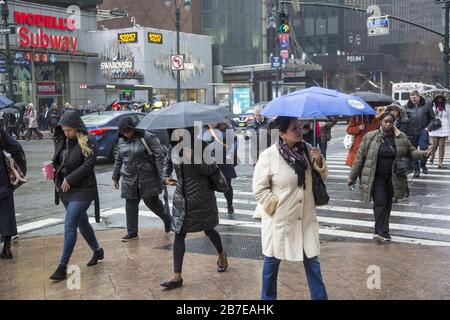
194	200
8	225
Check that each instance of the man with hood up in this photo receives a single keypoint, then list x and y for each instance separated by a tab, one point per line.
420	115
139	162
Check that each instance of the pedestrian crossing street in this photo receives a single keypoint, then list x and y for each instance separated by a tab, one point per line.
422	219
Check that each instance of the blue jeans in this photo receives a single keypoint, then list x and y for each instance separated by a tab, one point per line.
312	268
421	142
77	217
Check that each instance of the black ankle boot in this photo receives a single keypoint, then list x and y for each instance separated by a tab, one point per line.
60	274
168	225
6	253
98	255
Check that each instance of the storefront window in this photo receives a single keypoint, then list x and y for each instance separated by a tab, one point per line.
50	84
167	97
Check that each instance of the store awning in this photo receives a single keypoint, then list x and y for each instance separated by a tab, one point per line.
265	72
116	86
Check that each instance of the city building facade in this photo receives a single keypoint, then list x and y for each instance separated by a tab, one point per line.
141	58
352	60
50	52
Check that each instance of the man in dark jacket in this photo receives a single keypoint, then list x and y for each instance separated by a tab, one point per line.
253	132
11	124
139	162
420	115
325	135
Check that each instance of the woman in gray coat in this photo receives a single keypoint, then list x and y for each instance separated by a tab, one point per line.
139	162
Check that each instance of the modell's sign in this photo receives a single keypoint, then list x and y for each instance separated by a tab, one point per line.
41	38
45	88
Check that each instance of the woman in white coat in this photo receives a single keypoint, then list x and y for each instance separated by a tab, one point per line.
439	136
33	122
282	184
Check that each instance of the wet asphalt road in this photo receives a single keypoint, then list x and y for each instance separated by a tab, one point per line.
423	218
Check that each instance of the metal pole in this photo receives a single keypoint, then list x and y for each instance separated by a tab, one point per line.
277	46
178	26
446	44
381	82
5	14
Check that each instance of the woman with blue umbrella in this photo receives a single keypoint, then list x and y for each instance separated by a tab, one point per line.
283	187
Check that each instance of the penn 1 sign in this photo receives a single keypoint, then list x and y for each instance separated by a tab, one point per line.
42	39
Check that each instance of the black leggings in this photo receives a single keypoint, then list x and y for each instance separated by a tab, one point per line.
229	194
179	247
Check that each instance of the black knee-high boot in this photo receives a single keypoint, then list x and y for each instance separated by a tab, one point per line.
6	252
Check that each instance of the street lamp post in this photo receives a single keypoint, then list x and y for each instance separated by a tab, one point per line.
4	12
446	44
187	6
355	41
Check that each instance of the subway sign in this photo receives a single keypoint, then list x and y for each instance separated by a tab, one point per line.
129	37
155	38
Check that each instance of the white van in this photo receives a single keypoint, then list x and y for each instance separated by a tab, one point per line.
401	91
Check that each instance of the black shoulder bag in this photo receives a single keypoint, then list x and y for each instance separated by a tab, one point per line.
321	196
219	182
402	165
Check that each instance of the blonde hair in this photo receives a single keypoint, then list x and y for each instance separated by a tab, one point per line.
83	143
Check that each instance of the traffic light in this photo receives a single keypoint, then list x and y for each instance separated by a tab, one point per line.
284	22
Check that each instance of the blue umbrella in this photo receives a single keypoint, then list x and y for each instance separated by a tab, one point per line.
5	102
316	102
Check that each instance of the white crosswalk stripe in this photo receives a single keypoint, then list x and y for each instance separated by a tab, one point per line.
349	216
419	220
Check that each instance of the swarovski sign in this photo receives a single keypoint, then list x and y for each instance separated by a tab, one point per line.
118	62
116	65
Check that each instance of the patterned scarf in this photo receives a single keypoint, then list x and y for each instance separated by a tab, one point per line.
296	159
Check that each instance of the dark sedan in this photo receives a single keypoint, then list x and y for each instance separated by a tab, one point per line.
104	126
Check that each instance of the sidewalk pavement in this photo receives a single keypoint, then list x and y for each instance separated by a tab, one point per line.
134	270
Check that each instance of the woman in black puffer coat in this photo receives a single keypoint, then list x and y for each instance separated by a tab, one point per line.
141	173
75	187
194	204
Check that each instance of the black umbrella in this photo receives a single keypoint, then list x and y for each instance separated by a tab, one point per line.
372	97
184	115
430	94
10	110
92	106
